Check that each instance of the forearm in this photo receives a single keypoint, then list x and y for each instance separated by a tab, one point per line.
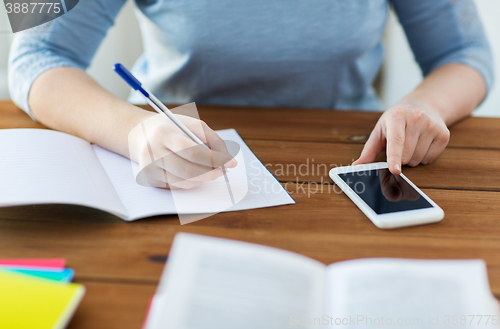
453	91
69	100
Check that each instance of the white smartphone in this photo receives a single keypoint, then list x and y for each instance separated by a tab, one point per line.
389	201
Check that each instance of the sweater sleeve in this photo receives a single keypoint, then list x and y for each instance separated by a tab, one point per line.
446	31
70	40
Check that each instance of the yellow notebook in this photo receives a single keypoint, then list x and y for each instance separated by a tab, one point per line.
27	302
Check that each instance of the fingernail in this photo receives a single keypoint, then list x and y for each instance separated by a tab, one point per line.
231	164
397	166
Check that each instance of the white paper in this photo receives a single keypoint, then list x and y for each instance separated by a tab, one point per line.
385	293
140	201
215	283
39	166
218	283
49	167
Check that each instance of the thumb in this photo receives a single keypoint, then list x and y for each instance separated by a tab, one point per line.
373	146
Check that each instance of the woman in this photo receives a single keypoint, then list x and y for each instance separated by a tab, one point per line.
314	54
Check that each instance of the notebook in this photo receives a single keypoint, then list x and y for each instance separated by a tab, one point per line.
46	268
49	167
35	263
215	283
59	275
28	302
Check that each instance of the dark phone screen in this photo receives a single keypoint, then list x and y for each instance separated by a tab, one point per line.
384	192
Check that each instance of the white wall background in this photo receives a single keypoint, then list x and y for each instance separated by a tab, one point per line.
400	74
123	44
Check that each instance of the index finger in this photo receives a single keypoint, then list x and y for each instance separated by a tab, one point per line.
219	145
395	136
184	147
213	141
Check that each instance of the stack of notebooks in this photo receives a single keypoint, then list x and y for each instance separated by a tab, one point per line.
37	293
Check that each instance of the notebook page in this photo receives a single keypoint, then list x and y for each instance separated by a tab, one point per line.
218	195
214	196
264	190
139	201
418	293
40	166
250	182
217	283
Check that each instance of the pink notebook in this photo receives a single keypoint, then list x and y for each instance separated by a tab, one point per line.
58	263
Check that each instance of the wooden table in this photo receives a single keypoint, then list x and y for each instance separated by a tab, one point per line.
120	263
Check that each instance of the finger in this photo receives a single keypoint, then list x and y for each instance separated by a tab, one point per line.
161	137
195	153
185	169
435	149
177	183
217	144
411	142
194	125
209	137
373	146
149	141
158	177
157	184
420	151
153	176
395	132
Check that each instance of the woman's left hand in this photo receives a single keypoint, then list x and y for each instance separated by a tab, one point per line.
411	133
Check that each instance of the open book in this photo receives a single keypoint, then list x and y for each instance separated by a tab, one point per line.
49	167
218	283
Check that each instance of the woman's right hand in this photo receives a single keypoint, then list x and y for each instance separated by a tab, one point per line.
168	158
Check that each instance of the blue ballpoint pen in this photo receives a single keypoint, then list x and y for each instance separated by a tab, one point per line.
162	109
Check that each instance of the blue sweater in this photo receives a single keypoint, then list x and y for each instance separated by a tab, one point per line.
288	53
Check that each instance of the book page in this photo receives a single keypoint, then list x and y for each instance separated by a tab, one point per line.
251	185
215	283
375	293
40	166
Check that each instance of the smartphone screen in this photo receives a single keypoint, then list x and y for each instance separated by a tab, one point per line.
384	192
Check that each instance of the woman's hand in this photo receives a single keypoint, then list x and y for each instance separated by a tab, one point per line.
170	159
412	133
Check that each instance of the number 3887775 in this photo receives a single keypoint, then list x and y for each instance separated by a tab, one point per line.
33	7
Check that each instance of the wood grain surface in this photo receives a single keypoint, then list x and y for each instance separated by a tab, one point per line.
120	263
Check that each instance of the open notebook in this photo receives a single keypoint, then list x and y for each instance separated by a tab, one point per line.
49	167
215	283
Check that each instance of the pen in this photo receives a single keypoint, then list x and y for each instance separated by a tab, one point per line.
157	105
162	109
